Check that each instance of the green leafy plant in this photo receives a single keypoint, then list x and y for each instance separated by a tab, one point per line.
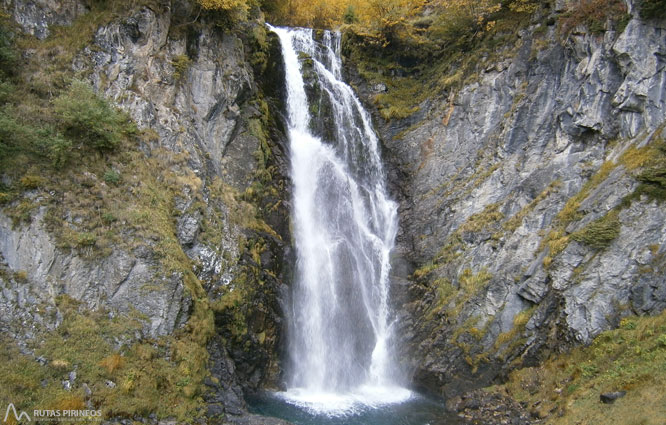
89	119
181	64
112	177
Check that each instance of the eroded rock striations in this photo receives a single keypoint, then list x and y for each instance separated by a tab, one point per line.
526	226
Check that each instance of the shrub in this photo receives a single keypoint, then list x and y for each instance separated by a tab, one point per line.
593	14
30	181
8	56
87	118
235	10
181	64
58	148
653	9
350	16
112	177
600	233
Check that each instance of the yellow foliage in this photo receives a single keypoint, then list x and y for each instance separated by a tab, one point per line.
372	14
236	9
223	4
112	362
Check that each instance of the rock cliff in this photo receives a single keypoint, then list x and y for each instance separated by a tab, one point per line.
532	217
531	208
201	263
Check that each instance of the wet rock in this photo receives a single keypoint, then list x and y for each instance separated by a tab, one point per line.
455	404
489	409
257	420
226	395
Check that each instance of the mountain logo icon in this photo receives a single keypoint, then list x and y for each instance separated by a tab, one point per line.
17	416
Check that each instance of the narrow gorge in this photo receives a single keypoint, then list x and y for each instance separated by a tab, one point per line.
436	214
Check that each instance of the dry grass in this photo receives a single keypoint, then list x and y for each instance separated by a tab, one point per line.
632	358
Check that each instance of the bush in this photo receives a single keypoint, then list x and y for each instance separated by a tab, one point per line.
58	148
90	120
653	9
593	14
350	16
112	177
600	233
8	56
30	181
181	64
235	10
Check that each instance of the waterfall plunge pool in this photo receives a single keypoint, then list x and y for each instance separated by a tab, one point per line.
358	408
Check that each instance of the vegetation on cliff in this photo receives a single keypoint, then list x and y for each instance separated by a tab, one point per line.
566	388
106	187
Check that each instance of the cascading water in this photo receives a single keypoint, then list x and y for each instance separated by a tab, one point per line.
344	227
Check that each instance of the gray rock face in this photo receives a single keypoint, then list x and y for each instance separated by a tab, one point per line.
119	282
483	180
196	97
36	16
191	96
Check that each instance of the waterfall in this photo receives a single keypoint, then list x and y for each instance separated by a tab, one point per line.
344	226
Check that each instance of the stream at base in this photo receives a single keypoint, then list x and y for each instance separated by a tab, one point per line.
417	410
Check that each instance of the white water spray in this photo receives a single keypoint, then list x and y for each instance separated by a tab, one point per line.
344	223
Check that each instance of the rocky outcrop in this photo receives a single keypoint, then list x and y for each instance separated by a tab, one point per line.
118	281
205	102
504	186
36	17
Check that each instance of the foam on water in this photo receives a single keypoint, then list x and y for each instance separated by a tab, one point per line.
345	404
